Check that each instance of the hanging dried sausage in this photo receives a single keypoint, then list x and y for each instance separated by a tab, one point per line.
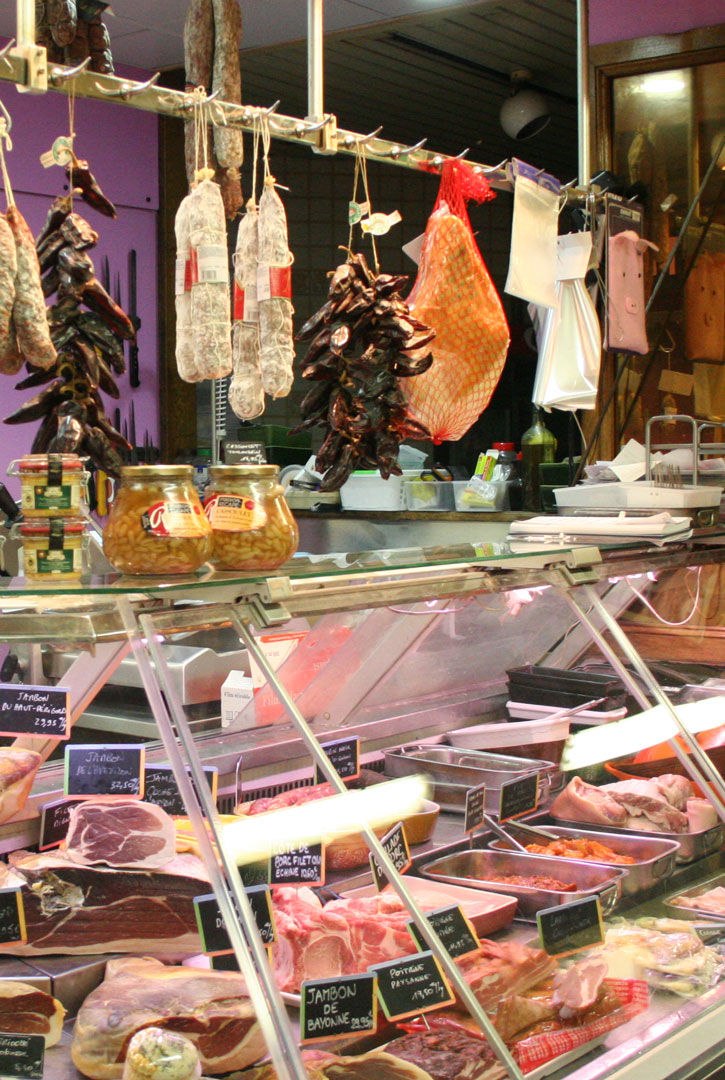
8	268
277	350
182	288
210	313
227	78
246	395
29	312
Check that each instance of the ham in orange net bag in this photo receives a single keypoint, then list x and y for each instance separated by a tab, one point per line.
454	294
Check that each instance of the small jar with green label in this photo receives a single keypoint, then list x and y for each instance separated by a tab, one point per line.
51	485
53	549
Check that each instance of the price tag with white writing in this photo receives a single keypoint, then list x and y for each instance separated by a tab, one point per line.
412	985
35	710
54	821
110	769
453	928
12	918
475	808
569	928
345	757
21	1056
303	865
331	1008
395	843
519	796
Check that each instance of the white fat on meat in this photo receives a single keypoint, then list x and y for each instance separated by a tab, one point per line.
577	988
629	804
580	801
644	799
713	900
701	815
123	833
28	1011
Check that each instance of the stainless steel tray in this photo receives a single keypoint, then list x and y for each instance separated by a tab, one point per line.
461	769
473	867
654	857
693	845
677	912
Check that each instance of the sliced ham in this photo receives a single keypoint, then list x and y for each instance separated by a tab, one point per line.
17	773
26	1010
83	910
210	1008
124	833
577	988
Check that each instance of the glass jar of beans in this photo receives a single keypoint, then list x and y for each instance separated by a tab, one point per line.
252	524
156	524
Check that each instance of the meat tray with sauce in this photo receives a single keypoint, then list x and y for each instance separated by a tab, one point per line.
653	857
480	869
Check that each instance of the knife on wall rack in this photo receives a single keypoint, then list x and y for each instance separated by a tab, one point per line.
133	373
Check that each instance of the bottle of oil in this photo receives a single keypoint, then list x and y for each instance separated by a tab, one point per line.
537	445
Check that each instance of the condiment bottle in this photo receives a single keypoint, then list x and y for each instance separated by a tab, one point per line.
507	469
537	445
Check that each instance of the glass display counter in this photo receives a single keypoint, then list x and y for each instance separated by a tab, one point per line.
391	648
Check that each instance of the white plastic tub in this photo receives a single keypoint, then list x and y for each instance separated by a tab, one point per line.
526	710
496	497
366	490
428	494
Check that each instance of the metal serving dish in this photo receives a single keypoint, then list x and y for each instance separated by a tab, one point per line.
473	868
693	845
677	912
654	858
461	769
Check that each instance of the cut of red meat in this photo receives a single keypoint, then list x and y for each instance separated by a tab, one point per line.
295	797
125	832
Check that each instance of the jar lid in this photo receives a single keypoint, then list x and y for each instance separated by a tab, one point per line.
249	472
40	462
43	526
504	446
156	472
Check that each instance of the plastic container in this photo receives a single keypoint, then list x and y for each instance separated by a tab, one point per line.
526	710
366	490
428	494
252	526
534	739
51	485
494	499
53	549
156	524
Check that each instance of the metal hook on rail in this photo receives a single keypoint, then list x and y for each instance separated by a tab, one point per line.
59	75
6	49
490	169
305	127
349	141
440	159
129	89
7	123
396	151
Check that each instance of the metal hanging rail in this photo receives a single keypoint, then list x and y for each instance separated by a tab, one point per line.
322	135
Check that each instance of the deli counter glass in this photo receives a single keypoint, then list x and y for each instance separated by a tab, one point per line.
354	752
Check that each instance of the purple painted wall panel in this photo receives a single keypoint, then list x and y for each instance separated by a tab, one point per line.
619	20
121	146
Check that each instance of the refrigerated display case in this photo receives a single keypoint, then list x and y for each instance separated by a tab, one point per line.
395	647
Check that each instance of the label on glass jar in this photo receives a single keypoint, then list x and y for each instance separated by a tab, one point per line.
43	497
234	513
174	518
67	561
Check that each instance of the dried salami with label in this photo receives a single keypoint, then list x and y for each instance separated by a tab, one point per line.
182	288
29	312
246	396
198	64
277	351
210	309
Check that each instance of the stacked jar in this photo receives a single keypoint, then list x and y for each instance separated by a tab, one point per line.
156	524
52	498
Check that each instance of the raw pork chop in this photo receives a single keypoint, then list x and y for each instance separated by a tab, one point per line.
125	832
211	1008
580	801
629	804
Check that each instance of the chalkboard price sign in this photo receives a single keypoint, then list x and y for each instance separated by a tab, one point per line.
244	453
226	961
54	820
35	710
569	928
395	843
519	797
304	865
475	808
160	788
344	755
98	769
254	873
12	918
212	930
22	1056
330	1008
452	927
411	985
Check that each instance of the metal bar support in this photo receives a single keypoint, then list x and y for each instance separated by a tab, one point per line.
315	61
432	939
248	947
697	763
582	91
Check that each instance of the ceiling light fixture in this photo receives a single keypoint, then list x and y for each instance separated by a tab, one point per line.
525	112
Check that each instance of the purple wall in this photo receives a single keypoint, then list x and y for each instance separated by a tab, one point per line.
619	20
121	145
